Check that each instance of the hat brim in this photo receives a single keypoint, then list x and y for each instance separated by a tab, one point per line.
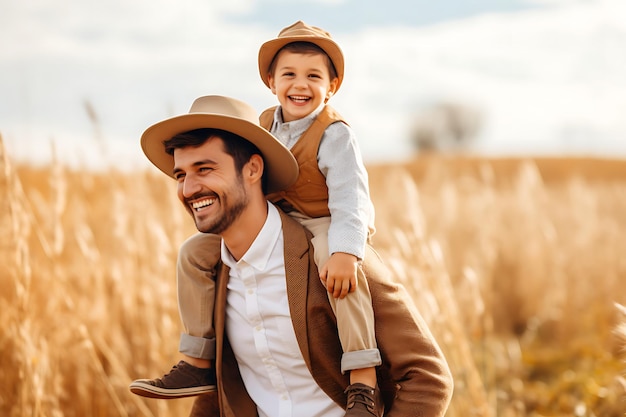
280	165
269	49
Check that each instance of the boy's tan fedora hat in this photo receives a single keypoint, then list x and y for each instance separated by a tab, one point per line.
300	32
231	115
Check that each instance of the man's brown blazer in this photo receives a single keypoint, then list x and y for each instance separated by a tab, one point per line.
414	377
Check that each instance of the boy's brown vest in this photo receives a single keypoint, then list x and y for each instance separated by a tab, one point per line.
309	194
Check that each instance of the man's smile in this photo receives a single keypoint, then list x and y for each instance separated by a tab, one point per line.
200	204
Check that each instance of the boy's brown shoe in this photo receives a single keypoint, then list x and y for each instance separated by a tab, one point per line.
183	380
363	401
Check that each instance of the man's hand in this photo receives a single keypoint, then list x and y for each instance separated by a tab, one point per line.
339	274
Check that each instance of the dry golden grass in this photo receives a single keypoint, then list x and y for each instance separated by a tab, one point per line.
517	265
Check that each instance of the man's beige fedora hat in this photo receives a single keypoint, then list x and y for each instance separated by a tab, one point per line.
300	32
231	115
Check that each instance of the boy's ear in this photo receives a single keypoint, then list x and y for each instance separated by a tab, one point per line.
270	81
332	88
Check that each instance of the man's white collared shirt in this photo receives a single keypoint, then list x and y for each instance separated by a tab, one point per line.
260	331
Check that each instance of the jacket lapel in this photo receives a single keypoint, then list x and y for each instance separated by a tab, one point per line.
296	249
311	314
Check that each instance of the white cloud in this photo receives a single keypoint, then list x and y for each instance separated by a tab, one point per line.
538	74
542	76
318	2
558	2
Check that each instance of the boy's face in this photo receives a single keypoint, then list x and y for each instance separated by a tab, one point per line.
301	82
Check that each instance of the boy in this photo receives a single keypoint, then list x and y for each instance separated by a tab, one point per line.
303	67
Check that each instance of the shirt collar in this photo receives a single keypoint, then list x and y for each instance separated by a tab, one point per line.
258	254
299	124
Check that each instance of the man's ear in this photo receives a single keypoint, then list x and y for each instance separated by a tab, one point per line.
253	171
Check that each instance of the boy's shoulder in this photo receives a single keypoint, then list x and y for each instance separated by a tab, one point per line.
267	117
331	117
331	113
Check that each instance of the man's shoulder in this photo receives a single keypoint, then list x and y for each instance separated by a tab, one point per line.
296	237
298	250
292	227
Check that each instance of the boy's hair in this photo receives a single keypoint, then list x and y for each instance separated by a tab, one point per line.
240	149
305	48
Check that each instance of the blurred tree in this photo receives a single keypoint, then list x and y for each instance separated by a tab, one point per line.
445	126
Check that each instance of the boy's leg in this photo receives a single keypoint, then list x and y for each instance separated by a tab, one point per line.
355	326
195	274
355	316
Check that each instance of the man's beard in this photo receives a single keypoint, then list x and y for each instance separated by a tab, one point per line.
226	219
231	206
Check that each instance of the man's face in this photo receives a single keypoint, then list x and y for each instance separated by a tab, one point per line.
209	186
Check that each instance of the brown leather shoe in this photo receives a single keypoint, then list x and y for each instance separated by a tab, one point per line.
363	401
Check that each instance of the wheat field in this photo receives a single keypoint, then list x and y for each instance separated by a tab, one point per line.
518	266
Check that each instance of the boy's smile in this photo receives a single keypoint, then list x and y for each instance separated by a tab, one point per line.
299	99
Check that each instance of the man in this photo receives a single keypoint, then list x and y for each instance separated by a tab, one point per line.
278	352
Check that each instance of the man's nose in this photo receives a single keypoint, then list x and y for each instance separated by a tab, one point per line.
191	186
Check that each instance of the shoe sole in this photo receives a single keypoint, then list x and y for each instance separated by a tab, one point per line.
150	391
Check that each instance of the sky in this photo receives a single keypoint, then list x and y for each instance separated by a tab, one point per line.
80	80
